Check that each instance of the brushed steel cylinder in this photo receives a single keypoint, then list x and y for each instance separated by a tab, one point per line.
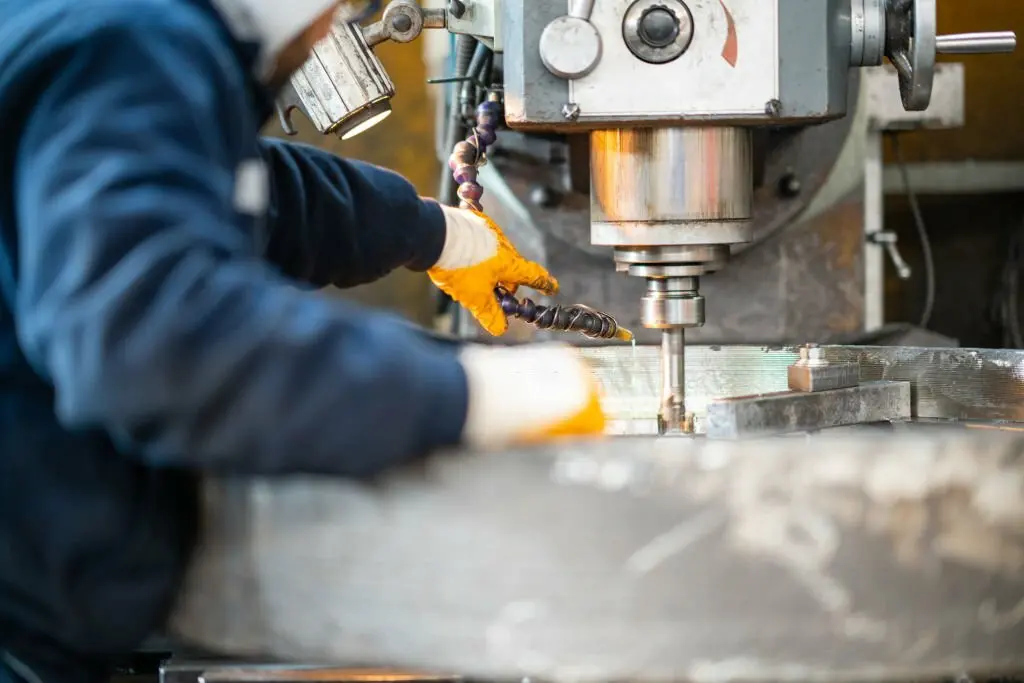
665	186
672	302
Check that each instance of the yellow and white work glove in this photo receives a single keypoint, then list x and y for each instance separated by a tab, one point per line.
529	395
477	257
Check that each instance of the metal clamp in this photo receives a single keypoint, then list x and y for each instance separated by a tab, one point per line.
570	46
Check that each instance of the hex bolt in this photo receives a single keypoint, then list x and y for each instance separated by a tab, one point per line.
571	111
772	107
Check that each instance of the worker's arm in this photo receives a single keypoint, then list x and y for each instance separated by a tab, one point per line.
144	299
345	223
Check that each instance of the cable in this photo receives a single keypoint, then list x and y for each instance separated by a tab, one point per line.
922	233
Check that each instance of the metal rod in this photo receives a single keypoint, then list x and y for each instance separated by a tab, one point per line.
672	416
994	42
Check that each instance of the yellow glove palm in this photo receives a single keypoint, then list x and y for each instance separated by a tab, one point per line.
477	257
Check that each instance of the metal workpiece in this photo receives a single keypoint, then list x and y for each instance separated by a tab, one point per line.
948	384
814	372
875	555
803	411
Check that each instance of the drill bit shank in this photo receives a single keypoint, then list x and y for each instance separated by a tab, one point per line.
672	418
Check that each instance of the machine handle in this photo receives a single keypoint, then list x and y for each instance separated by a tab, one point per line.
581	9
995	42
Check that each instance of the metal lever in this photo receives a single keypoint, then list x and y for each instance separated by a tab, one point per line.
995	42
581	9
887	240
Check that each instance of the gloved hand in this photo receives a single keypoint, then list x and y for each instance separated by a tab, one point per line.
476	258
557	398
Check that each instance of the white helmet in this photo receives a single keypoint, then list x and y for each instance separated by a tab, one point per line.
273	23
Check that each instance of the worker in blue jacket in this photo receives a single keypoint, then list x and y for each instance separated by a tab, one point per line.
159	319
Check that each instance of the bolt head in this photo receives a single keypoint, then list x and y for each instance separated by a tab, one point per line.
658	27
571	111
401	23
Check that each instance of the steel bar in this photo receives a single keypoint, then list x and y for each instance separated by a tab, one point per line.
976	43
672	415
787	412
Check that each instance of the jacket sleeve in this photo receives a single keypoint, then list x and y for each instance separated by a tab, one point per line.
151	310
345	223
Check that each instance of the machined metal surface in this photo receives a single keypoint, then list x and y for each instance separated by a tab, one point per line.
948	383
863	557
752	417
812	372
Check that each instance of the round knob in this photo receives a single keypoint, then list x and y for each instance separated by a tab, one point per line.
658	31
570	47
658	27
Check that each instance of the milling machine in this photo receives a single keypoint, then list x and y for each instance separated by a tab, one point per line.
676	97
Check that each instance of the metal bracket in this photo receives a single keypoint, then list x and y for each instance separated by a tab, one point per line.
482	19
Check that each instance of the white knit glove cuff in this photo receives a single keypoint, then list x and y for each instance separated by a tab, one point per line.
468	240
519	390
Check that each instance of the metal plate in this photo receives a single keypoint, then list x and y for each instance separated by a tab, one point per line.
871	557
948	384
786	412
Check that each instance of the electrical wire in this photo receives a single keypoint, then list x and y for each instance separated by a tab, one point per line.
1007	303
922	232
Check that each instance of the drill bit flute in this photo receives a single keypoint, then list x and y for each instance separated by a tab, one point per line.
464	163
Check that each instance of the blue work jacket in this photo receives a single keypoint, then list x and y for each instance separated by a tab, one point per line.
159	319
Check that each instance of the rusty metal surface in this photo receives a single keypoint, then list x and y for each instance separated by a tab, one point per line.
865	557
946	383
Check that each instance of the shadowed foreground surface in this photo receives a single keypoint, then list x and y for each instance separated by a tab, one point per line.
865	556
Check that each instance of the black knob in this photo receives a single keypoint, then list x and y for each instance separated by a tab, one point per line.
658	27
